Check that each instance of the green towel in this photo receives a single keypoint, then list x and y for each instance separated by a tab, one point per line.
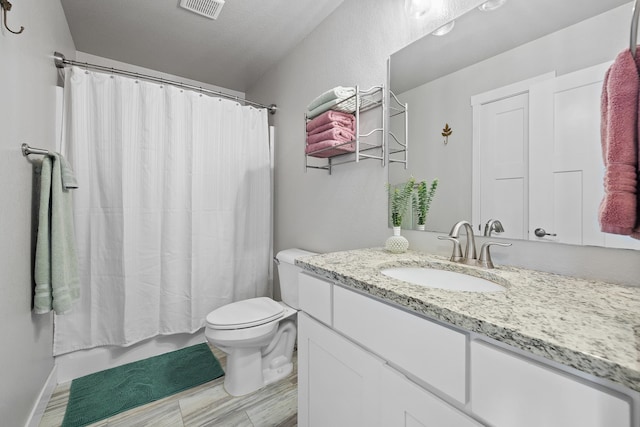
337	93
56	265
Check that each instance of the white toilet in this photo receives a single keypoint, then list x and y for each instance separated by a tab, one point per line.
258	334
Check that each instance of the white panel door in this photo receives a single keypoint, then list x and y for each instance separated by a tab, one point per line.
338	382
503	146
566	167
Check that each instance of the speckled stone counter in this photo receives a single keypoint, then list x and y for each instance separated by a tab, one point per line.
588	325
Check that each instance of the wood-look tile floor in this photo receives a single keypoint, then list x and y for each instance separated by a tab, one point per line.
206	405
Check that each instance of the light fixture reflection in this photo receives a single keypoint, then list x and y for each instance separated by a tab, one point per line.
490	5
417	8
445	29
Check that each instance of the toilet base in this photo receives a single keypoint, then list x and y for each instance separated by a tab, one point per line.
246	366
280	368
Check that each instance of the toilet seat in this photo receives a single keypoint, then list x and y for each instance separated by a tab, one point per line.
245	314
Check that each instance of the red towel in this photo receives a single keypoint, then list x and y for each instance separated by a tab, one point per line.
336	133
349	127
344	119
619	134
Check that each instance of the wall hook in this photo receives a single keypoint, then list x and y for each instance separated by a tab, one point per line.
6	7
446	131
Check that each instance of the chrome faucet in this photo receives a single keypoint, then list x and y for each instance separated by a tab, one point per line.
493	225
470	250
469	256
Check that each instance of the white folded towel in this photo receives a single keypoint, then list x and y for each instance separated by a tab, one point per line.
337	93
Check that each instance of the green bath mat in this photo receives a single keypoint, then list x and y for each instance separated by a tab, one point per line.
106	393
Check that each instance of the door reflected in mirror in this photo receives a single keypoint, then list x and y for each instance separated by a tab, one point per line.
507	119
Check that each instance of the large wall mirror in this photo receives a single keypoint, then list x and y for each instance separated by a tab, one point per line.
519	90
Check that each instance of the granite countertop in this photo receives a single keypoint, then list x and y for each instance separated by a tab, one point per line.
588	325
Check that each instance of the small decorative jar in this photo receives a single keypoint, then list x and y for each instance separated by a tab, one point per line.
396	243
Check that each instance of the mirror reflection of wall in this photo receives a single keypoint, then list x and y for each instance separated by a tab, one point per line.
455	72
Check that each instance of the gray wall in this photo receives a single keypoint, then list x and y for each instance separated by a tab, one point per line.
348	210
27	114
313	210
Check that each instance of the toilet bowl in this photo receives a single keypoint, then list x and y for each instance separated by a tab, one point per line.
258	334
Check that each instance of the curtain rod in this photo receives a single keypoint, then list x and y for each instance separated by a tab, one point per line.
60	61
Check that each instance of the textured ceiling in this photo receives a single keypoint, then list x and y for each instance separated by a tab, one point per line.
233	51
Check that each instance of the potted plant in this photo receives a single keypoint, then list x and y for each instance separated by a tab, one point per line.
422	202
399	201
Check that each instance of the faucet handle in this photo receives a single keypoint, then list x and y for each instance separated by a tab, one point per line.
485	255
456	255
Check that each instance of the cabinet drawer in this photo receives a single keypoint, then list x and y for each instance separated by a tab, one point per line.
314	297
508	390
431	352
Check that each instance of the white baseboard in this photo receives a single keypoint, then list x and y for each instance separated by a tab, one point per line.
43	399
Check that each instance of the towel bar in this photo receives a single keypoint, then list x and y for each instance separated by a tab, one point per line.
634	28
26	150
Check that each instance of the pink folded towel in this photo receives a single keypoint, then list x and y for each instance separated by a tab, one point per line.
339	147
336	133
349	127
343	119
619	135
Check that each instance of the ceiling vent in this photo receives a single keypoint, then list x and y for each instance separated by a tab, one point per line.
209	8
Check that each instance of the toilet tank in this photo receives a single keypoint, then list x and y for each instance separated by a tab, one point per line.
288	273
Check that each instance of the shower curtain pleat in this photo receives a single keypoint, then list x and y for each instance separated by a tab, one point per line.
172	214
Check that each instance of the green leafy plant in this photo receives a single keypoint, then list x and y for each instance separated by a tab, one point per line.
422	202
400	200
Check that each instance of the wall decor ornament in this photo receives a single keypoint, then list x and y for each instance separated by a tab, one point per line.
446	132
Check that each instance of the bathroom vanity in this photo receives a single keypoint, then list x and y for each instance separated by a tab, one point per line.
549	350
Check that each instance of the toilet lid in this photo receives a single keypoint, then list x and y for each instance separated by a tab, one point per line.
245	314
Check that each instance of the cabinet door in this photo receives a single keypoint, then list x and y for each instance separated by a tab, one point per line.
408	405
508	390
338	382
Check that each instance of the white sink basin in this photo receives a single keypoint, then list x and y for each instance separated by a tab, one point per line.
442	279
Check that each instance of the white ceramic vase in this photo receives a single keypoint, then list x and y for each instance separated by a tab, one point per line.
421	227
396	243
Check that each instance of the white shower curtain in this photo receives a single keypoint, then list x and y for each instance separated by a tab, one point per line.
172	215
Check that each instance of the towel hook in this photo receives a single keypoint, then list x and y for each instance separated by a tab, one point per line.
6	7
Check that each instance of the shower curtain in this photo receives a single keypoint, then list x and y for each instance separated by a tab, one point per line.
172	213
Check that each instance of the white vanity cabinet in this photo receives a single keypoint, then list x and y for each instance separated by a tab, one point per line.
362	362
510	390
406	404
432	353
338	381
347	383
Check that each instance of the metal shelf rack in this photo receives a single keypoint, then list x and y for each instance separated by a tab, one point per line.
362	102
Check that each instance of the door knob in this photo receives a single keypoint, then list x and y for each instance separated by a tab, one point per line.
541	232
